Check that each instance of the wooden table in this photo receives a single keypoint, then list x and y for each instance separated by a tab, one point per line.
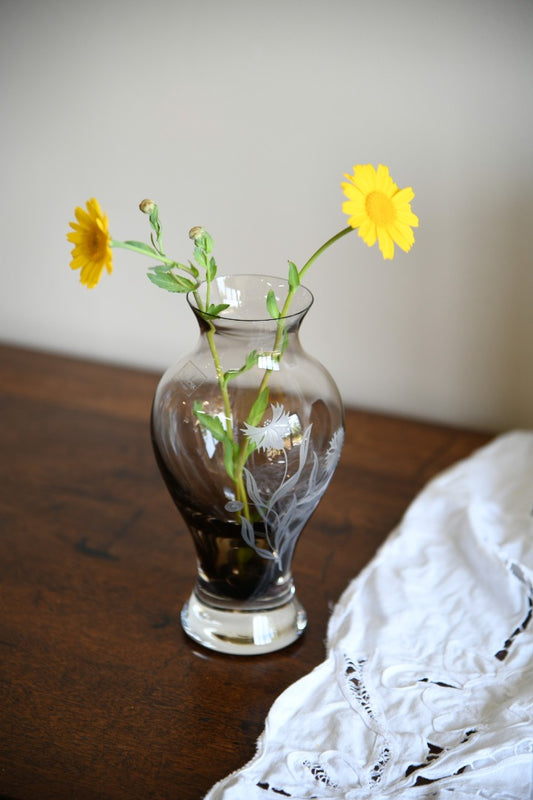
101	694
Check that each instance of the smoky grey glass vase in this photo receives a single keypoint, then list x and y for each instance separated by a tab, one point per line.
247	432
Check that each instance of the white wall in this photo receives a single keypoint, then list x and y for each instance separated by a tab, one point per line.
243	117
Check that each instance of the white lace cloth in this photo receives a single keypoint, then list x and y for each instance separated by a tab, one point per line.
427	689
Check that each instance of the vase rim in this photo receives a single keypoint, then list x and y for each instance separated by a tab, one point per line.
245	305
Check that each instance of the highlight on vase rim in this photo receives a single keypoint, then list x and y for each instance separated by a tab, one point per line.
245	296
376	208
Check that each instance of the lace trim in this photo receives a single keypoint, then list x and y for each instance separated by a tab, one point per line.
434	753
502	654
426	722
358	691
319	774
361	699
353	673
266	786
377	771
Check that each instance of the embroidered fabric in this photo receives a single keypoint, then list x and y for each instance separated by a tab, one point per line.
427	688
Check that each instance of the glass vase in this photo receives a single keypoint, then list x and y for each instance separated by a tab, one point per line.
247	431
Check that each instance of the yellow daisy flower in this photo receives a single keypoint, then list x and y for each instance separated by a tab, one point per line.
92	244
379	209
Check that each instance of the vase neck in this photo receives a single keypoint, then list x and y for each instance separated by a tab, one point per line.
259	332
241	305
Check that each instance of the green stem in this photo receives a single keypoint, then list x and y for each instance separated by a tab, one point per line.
198	299
142	251
240	491
324	247
292	291
220	377
158	256
239	467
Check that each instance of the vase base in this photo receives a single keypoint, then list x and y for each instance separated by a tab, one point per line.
243	633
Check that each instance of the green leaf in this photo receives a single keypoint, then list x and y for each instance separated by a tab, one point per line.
165	281
162	269
294	276
214	311
169	281
201	257
188	285
259	407
211	269
194	270
154	220
251	361
206	242
212	424
231	452
185	268
272	306
144	248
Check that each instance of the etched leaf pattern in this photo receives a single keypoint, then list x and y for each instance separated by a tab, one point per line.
285	511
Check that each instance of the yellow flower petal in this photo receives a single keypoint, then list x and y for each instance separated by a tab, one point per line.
386	244
404	195
379	209
92	243
356	212
368	232
407	218
364	177
352	192
384	182
403	236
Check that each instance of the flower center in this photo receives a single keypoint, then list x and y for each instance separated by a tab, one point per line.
379	208
94	243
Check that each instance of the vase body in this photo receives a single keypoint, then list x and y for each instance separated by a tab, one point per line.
247	431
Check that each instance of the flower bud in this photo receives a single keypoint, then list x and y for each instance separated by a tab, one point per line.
196	233
147	206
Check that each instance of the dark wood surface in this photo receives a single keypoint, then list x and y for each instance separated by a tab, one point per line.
101	693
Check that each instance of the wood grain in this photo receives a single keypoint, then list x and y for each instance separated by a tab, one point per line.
101	694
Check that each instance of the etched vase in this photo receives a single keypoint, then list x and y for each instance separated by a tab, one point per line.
247	431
